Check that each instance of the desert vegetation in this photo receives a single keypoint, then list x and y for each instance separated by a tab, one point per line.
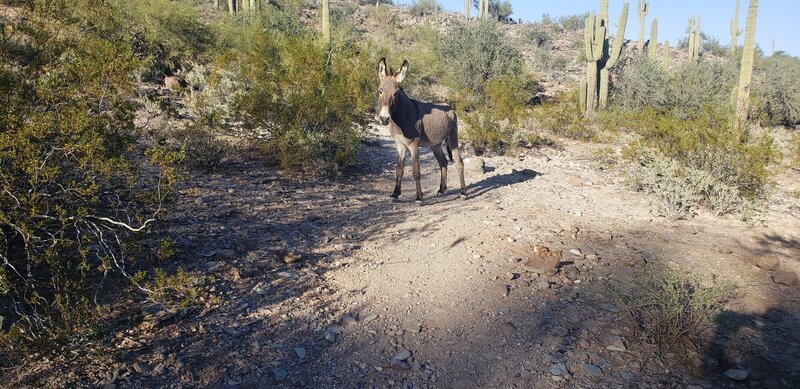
113	109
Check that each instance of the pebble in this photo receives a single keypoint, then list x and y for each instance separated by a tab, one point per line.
301	352
348	321
737	374
542	285
615	343
402	355
400	365
559	369
627	375
141	368
329	336
590	370
413	328
279	374
576	252
370	317
230	331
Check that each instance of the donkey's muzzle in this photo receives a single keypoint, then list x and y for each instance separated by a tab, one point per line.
383	121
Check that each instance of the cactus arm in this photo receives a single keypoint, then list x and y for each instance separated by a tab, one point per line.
746	75
619	39
653	45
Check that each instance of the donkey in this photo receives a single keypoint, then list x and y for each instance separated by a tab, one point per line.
413	124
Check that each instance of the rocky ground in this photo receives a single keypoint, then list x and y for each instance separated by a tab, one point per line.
327	283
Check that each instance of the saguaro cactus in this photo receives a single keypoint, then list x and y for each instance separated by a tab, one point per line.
601	56
665	56
326	22
467	8
694	39
644	8
746	75
653	45
735	30
232	6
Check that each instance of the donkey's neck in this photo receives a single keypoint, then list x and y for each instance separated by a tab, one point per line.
405	114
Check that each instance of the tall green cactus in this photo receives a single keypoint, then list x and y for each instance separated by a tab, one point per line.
232	6
644	8
694	40
665	56
467	8
326	22
746	75
653	45
735	30
600	55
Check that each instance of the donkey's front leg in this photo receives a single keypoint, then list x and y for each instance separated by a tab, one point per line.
414	148
398	170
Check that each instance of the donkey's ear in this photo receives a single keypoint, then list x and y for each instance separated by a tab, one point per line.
382	72
401	74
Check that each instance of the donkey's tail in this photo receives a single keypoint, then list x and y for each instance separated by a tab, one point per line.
449	152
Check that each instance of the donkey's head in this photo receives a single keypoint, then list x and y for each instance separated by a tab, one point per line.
388	90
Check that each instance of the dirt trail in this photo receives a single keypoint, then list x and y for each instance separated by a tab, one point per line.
392	294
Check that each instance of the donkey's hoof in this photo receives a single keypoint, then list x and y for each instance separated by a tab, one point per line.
419	202
440	193
462	196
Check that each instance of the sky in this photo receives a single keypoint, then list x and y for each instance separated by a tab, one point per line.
777	19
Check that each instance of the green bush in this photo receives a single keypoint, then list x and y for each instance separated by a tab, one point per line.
313	102
670	310
573	22
537	36
477	52
685	91
563	117
776	91
166	32
203	150
71	198
501	10
702	161
425	7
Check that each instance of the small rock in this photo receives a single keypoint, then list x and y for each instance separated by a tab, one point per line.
279	374
559	370
338	247
329	336
769	262
615	343
627	375
576	252
230	331
737	375
413	328
370	317
141	368
575	181
542	285
610	307
400	365
301	352
291	257
402	355
475	165
590	370
348	321
788	278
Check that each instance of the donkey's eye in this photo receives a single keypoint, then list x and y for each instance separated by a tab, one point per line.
380	92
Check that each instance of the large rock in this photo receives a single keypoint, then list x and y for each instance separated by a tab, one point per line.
788	278
475	165
769	262
737	374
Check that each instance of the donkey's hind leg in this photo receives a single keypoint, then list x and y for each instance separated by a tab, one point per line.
439	154
452	141
398	170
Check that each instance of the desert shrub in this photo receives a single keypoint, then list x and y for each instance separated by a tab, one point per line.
426	70
537	36
670	310
425	7
711	44
73	207
795	149
476	53
501	10
563	117
311	100
776	91
211	92
702	161
644	84
573	22
384	17
202	149
494	127
166	32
